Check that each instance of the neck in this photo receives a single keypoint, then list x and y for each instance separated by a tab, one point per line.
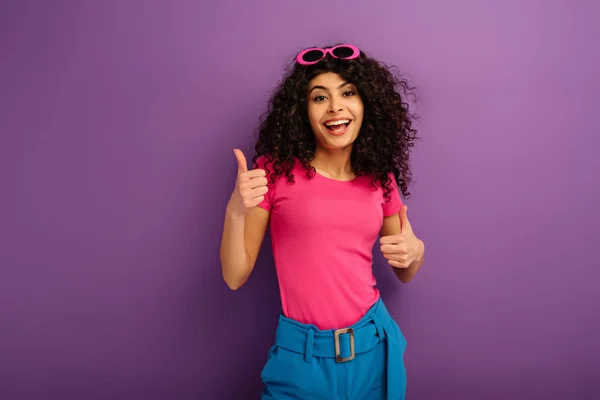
334	164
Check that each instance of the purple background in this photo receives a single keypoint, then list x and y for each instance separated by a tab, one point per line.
118	120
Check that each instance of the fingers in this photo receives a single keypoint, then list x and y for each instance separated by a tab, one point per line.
241	160
251	184
396	253
398	264
404	223
391	239
258	191
254	173
252	198
253	202
247	183
393	248
401	256
249	179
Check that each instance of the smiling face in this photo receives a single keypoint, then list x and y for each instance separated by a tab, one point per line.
335	111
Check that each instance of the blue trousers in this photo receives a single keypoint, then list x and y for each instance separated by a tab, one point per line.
364	361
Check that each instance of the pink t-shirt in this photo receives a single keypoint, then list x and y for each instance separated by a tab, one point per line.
322	232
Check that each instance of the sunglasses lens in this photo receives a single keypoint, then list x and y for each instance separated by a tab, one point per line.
343	52
312	55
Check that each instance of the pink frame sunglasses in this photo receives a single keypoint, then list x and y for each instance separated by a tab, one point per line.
315	54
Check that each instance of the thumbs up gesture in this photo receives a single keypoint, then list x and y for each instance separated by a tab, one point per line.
250	187
403	249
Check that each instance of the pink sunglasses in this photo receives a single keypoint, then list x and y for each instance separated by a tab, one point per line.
314	55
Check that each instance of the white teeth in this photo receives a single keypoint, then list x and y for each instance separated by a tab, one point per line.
340	122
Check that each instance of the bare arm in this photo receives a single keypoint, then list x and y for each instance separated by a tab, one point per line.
240	244
245	224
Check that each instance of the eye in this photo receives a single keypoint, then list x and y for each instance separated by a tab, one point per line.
318	98
349	93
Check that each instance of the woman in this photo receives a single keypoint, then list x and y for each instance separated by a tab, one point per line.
332	154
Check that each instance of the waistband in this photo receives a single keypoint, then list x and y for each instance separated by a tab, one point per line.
342	344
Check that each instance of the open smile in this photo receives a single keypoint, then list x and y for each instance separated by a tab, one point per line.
337	127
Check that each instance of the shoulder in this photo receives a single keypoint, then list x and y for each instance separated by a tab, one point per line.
392	201
276	167
267	163
379	183
392	183
278	171
263	162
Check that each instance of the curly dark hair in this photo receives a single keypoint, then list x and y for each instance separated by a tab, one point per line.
386	135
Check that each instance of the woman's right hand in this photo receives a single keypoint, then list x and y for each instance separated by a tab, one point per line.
250	187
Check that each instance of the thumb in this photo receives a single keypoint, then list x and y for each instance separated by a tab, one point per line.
404	224
241	160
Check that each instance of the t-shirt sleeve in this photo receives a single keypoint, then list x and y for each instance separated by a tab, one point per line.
267	203
392	206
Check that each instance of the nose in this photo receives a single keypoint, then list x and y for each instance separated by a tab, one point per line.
334	106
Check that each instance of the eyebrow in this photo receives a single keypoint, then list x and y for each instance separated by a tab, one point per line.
324	88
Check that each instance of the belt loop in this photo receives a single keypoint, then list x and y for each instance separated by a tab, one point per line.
310	338
380	330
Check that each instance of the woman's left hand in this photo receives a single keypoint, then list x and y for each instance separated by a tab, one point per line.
403	249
